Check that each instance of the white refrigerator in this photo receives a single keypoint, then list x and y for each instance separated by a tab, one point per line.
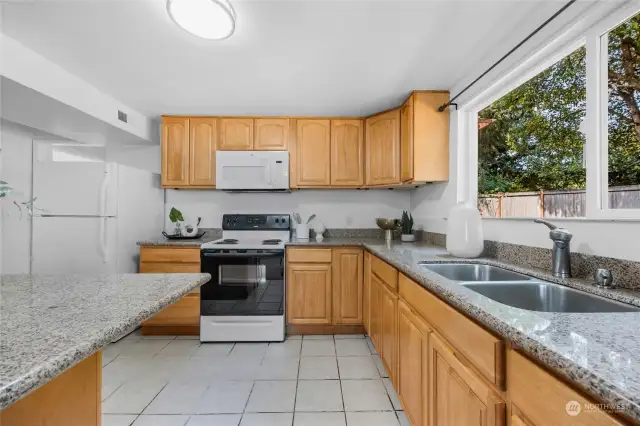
76	229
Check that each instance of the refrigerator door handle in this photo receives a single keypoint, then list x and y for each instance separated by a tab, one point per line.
103	239
103	194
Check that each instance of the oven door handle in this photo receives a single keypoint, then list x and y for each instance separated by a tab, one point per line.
227	255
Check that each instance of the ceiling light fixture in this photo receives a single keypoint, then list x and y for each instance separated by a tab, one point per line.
210	19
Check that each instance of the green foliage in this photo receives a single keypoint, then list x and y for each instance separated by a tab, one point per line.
407	223
175	215
533	140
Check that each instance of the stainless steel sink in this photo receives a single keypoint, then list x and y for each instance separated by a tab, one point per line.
547	297
473	272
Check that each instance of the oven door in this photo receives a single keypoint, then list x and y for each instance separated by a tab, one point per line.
243	283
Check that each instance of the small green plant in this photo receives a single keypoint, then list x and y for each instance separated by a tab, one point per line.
175	215
407	223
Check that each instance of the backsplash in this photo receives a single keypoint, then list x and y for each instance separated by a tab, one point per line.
626	273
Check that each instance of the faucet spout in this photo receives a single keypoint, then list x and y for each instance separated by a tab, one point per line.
546	222
561	259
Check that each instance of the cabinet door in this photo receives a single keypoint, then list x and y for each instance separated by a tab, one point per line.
347	286
313	152
309	294
366	292
175	151
375	321
413	364
406	141
383	149
202	147
271	134
347	153
389	314
236	134
457	396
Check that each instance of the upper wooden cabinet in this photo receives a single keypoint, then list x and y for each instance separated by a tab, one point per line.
271	134
347	286
382	163
236	134
202	149
457	396
347	153
313	153
175	151
424	138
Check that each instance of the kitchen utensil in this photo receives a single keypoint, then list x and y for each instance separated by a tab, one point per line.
297	217
313	216
389	225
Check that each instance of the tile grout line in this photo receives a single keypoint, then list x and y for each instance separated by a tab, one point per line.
295	396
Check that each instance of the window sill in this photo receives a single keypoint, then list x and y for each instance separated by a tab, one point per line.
565	219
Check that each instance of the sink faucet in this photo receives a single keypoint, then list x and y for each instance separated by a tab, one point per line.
561	238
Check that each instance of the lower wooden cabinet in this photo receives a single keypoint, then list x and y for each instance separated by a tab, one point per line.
347	285
375	320
366	291
457	395
388	329
309	293
183	317
412	381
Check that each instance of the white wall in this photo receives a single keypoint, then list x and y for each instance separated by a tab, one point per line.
336	208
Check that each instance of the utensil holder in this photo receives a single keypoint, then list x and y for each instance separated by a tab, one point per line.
302	231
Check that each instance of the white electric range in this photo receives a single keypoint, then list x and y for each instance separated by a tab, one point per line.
245	298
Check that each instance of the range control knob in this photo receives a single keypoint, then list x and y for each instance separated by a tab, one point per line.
277	220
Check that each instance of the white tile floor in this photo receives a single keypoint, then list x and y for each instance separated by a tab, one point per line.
309	381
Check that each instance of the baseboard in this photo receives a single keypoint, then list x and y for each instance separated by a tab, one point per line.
165	330
294	329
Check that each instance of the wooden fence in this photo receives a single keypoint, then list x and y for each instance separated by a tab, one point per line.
568	203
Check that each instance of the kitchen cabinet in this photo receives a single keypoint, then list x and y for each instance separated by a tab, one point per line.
375	320
183	317
309	293
457	396
424	138
382	163
236	134
388	330
347	153
313	153
413	364
271	134
541	399
175	152
366	291
202	152
347	285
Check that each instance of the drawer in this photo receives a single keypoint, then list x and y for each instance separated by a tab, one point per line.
387	273
185	311
169	268
310	255
170	254
542	399
484	350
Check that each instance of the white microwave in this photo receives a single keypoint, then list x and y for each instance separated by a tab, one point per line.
252	171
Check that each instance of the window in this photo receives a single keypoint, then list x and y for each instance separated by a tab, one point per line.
531	143
623	121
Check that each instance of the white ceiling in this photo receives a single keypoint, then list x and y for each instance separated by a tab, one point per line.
297	57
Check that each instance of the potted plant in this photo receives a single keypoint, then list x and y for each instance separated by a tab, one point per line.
175	216
407	227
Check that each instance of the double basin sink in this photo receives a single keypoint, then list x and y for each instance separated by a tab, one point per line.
522	291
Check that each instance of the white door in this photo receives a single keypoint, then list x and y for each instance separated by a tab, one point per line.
73	245
71	179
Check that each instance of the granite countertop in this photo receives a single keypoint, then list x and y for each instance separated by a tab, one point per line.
49	323
161	241
598	352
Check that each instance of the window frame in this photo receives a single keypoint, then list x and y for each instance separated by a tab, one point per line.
590	31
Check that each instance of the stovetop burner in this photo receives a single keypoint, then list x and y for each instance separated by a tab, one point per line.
271	242
228	241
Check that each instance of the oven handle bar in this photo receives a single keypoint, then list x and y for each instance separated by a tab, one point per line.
226	255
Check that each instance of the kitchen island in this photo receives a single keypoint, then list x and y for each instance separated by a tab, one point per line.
52	330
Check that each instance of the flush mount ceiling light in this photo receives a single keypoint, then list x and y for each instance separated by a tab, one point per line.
210	19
